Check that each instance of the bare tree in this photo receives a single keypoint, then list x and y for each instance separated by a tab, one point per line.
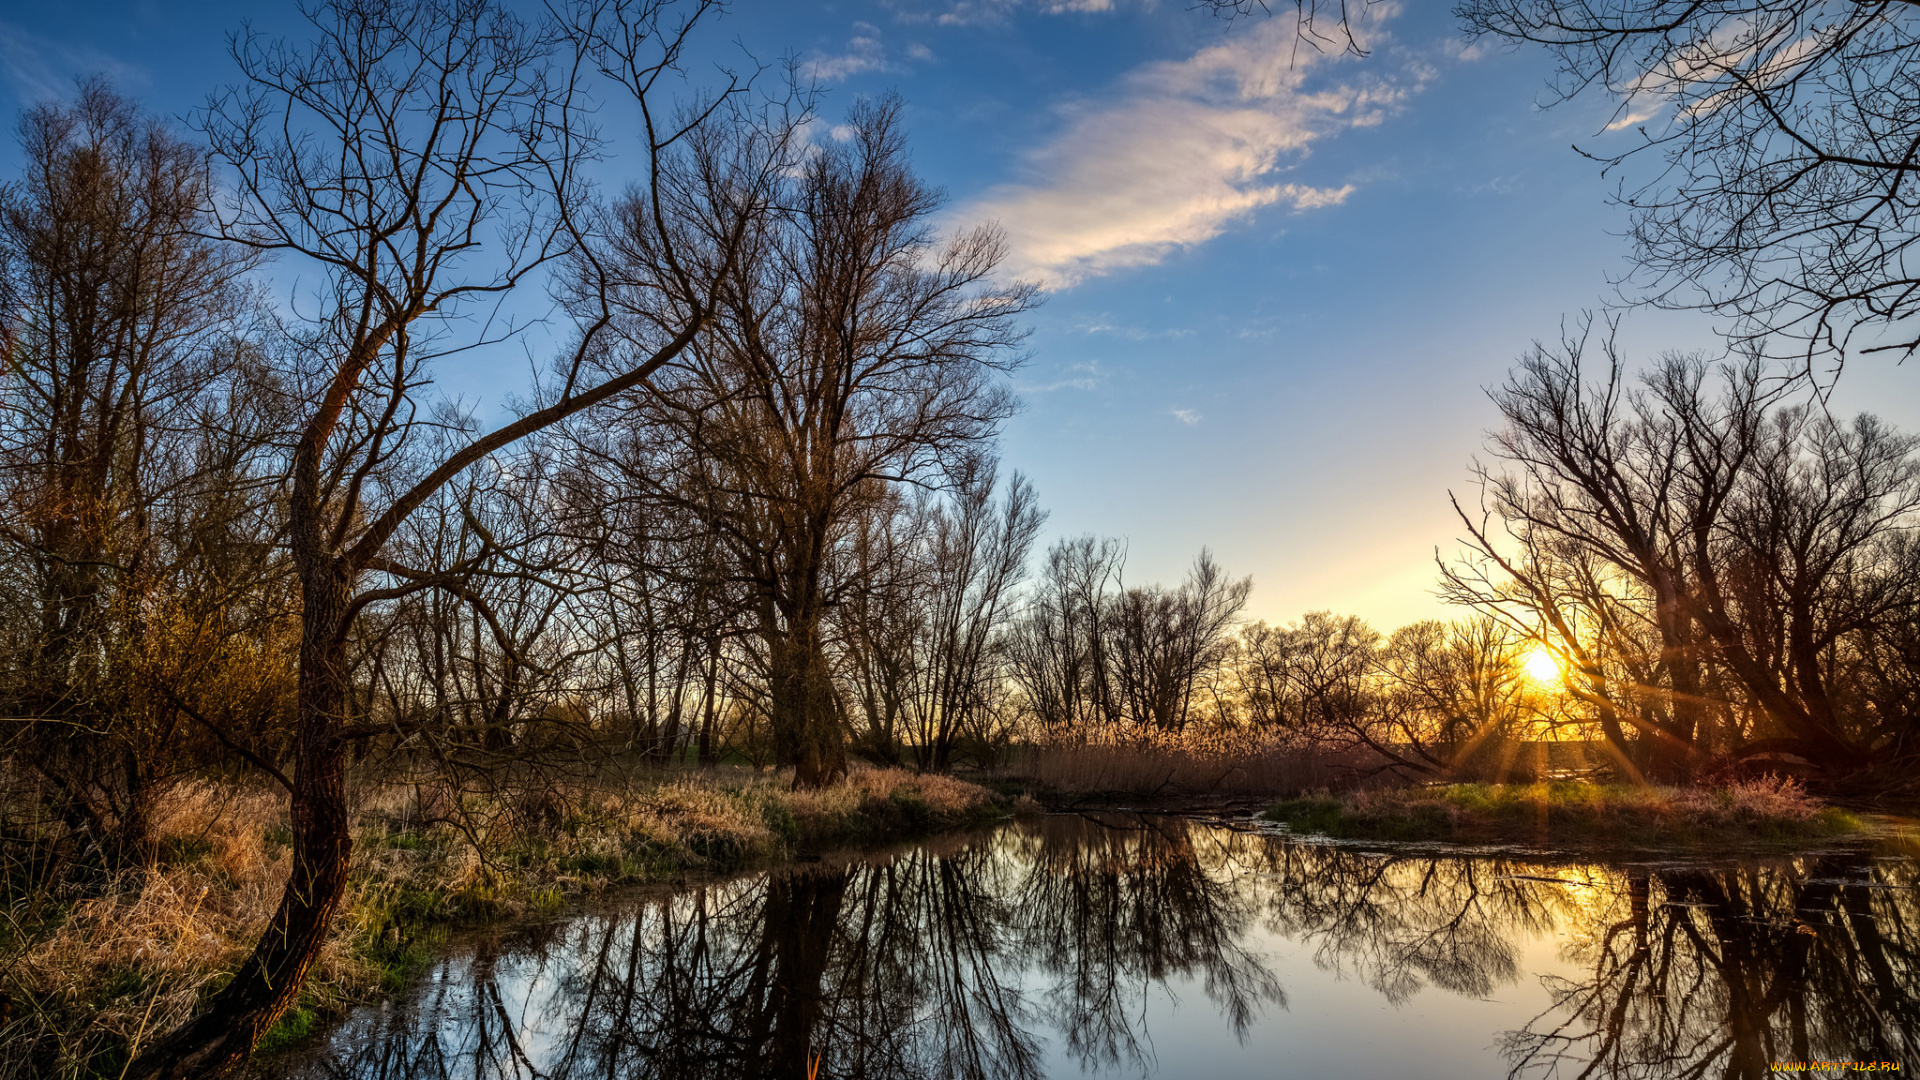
977	556
1605	485
853	350
1313	678
1788	133
1453	699
1058	653
1166	641
422	159
882	621
1704	551
127	466
1093	658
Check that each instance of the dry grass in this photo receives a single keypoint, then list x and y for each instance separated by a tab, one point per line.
1766	810
1190	765
98	972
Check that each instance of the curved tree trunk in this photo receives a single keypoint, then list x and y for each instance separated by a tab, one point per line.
269	980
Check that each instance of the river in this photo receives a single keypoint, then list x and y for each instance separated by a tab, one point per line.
1074	946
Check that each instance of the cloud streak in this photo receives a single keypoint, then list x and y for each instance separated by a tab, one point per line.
1179	153
1083	376
993	12
42	69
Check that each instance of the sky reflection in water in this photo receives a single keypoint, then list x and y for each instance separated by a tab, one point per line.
1120	947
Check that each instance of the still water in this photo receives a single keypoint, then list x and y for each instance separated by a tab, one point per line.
1118	946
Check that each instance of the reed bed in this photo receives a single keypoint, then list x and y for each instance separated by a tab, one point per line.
1193	764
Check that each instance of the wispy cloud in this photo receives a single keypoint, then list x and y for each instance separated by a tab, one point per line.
1704	73
1180	152
41	68
989	12
1133	333
1082	376
1630	119
1189	417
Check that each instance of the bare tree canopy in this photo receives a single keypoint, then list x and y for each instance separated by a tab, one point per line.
1788	137
1724	565
134	469
852	349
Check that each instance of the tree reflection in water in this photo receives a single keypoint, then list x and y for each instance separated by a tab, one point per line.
1695	972
969	958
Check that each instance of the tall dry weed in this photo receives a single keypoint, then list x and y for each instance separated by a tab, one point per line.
1197	763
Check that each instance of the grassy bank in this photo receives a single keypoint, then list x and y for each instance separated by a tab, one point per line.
1757	813
92	972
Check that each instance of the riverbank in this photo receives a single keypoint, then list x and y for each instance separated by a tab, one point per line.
92	973
1766	813
966	946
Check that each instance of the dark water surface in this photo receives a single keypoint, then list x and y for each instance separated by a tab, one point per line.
1070	946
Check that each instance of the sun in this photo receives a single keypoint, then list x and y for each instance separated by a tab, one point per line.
1543	667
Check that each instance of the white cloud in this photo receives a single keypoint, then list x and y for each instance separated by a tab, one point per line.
1186	416
1133	333
1704	73
1180	152
863	53
966	12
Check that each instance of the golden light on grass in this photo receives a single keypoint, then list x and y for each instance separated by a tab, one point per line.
1543	667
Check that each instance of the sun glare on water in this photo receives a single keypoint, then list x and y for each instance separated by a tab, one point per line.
1543	667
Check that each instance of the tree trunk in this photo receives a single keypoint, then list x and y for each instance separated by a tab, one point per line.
711	703
135	843
269	980
806	729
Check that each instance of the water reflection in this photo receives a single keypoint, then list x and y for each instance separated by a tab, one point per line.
1720	972
1051	948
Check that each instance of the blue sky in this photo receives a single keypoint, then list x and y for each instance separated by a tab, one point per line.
1278	282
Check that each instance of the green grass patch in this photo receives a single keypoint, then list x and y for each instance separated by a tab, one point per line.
293	1028
1765	813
